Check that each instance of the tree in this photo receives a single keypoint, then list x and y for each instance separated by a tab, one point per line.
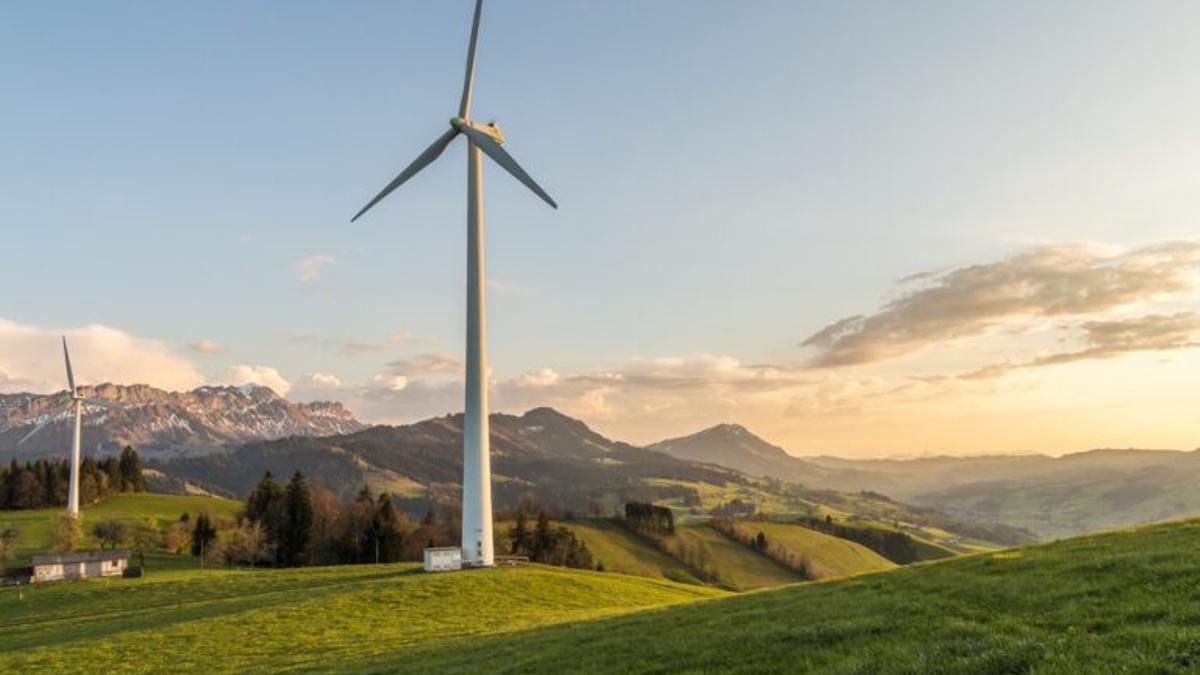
385	531
265	504
297	529
543	539
130	470
177	536
143	536
760	542
8	540
67	534
110	533
204	534
248	544
520	534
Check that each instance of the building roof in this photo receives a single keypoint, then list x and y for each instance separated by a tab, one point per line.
444	549
79	556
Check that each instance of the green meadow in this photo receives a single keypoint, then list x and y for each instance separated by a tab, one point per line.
346	618
34	527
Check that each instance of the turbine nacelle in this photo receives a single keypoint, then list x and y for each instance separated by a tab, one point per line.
491	129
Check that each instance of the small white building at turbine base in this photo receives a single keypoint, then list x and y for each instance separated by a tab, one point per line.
79	565
444	559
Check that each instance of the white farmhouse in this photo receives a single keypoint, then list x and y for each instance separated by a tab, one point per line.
79	565
443	559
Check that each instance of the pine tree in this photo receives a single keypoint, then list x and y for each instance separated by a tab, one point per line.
130	470
204	533
297	529
520	534
543	538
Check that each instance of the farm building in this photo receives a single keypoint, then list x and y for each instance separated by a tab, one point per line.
443	559
79	565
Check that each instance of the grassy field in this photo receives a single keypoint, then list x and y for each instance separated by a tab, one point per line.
346	619
827	556
1125	601
620	551
735	566
35	526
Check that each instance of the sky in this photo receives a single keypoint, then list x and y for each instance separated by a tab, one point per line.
861	229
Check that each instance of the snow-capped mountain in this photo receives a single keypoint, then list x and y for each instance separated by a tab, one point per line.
159	422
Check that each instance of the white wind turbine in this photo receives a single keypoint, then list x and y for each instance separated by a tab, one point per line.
486	139
77	401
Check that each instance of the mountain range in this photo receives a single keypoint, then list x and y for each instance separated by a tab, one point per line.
221	439
161	423
1051	496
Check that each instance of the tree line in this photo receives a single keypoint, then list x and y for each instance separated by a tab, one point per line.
44	483
760	543
298	524
649	519
895	546
549	545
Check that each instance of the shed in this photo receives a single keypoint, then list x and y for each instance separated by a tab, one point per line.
79	565
444	559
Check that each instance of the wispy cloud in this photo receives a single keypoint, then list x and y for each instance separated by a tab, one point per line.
309	269
264	376
206	347
1049	281
1110	339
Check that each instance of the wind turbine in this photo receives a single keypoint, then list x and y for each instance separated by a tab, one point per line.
482	139
77	401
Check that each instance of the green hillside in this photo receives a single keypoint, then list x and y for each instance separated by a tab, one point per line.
349	618
827	556
1126	601
34	527
619	551
727	562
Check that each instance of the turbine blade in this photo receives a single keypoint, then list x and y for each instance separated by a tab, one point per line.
498	154
67	357
464	108
423	160
41	425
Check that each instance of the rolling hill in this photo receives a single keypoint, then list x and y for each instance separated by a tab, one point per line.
34	526
347	619
1124	601
827	557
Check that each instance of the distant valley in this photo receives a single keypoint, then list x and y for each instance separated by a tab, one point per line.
221	439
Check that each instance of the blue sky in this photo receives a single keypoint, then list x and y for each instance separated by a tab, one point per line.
733	177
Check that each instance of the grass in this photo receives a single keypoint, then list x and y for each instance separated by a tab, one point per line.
319	619
34	527
735	566
827	556
620	551
1125	601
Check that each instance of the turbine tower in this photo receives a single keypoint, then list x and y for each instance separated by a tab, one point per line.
482	139
76	403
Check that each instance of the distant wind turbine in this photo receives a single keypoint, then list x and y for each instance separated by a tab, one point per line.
77	401
485	138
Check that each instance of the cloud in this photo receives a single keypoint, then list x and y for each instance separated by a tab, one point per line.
206	347
401	338
31	359
1049	281
426	364
1110	339
395	339
546	377
264	376
322	381
309	269
362	348
391	382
